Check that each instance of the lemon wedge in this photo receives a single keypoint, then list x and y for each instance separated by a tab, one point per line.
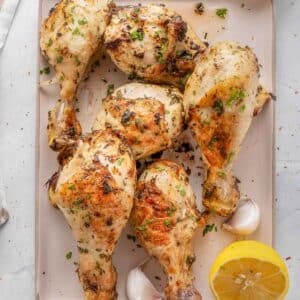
249	270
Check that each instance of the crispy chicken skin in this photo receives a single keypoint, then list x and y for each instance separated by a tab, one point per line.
153	43
165	219
95	191
70	36
149	116
220	99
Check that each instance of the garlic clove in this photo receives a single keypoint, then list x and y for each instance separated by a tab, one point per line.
245	220
139	287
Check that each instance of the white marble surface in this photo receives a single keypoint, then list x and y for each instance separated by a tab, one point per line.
17	150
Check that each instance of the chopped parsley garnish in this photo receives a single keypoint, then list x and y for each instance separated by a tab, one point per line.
167	223
180	190
82	21
209	228
183	80
137	35
59	59
235	97
218	106
69	255
213	141
78	62
170	211
222	174
110	89
72	187
160	53
45	70
120	161
143	227
221	12
76	31
50	42
230	157
243	107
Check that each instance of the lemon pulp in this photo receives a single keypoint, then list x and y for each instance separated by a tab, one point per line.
249	270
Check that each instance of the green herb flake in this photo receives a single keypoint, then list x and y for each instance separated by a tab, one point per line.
160	54
137	35
167	223
222	174
243	107
209	228
170	211
45	71
181	190
213	141
230	157
76	31
59	59
183	80
72	187
235	97
110	89
50	42
221	12
120	161
82	21
77	60
218	107
69	255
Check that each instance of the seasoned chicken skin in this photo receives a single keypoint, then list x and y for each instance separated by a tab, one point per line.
95	192
165	219
153	43
149	116
220	100
70	36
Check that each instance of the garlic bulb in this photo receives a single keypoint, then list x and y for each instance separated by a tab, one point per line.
139	287
245	220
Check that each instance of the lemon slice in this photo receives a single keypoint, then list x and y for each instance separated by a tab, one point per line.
249	270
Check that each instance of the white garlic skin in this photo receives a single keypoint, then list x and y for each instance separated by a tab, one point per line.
139	287
245	220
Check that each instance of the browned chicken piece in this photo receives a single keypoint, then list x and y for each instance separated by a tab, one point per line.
70	36
149	116
63	127
220	100
95	191
165	219
153	43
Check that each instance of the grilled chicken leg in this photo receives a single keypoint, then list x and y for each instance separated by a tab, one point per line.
165	219
69	38
220	100
95	190
149	116
153	43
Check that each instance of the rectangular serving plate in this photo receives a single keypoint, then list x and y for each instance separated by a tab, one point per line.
250	24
